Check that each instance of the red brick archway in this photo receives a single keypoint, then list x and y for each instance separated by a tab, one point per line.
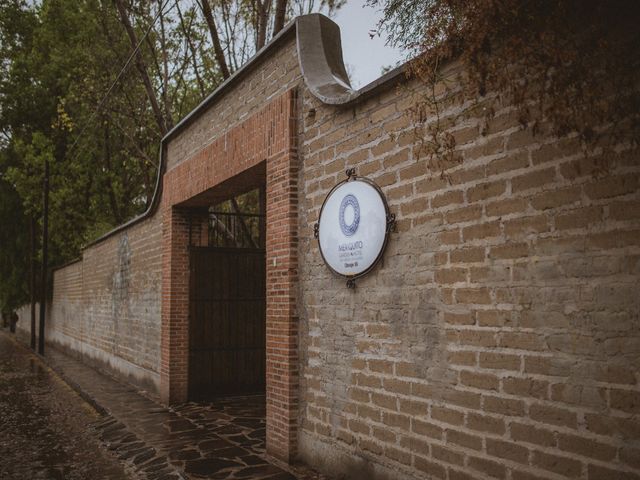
270	136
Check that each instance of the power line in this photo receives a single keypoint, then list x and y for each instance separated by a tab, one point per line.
122	71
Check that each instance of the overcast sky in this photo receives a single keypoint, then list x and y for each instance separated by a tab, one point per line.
365	56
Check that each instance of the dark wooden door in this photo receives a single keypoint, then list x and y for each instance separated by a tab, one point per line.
227	329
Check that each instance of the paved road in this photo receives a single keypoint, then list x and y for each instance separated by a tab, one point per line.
44	424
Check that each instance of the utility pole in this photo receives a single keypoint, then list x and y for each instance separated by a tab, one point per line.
32	279
45	244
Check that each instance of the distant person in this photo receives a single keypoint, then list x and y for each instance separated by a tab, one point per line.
14	319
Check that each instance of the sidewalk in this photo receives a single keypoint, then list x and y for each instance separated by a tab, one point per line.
221	440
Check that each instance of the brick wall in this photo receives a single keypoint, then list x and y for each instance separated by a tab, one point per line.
500	336
106	307
497	339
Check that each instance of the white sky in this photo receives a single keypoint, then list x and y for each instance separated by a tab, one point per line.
364	56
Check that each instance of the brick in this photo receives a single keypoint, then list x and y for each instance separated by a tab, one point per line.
447	415
579	218
499	361
385	401
523	341
488	467
509	251
556	198
625	400
484	423
465	135
557	464
415	444
464	439
450	237
481	231
493	318
430	184
451	275
447	455
583	395
413	407
506	207
507	450
380	366
466	175
462	318
426	429
397	455
396	386
477	338
530	434
507	164
448	198
395	420
463	358
493	146
552	151
486	190
533	179
503	406
586	447
613	187
467	255
525	226
473	295
525	387
479	380
553	415
384	435
433	469
464	214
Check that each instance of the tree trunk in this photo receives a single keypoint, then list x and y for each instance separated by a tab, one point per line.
165	70
32	278
281	10
262	20
217	47
142	68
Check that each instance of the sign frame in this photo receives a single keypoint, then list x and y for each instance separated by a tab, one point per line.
390	226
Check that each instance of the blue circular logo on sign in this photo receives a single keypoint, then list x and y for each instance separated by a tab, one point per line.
349	200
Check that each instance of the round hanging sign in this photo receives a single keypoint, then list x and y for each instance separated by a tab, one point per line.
353	227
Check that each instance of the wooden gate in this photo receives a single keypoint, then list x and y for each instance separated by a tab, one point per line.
227	327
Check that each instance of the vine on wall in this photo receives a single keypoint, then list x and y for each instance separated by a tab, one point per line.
566	67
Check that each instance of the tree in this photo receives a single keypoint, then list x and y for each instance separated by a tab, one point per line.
567	66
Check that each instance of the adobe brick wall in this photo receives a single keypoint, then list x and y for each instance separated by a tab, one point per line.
500	335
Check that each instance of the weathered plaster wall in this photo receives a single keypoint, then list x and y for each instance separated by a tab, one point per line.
500	335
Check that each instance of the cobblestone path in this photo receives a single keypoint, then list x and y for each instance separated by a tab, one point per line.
220	440
44	424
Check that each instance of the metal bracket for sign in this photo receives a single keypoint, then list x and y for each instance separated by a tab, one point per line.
391	222
390	227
